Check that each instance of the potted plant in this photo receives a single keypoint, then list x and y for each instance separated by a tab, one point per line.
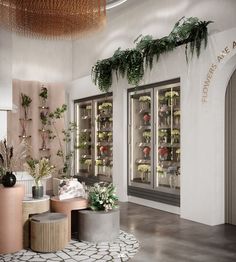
144	102
43	95
175	134
172	97
10	159
147	136
38	169
145	170
101	222
177	118
25	103
105	108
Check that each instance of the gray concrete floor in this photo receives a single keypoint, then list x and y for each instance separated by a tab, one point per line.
164	237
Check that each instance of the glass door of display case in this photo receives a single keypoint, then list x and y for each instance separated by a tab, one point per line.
103	139
167	133
141	138
154	142
84	151
94	139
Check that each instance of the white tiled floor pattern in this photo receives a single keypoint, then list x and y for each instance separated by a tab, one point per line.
123	249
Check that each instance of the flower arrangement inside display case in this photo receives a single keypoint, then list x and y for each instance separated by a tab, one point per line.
175	135
105	108
172	98
163	135
163	153
145	171
144	103
177	117
147	136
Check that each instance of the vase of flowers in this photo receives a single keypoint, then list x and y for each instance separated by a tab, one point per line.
163	153
105	108
99	165
147	136
146	119
145	171
177	154
161	175
163	136
171	172
175	135
38	169
146	152
144	103
177	118
88	110
101	222
10	159
172	98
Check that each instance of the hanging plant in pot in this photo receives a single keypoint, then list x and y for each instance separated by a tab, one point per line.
38	169
10	159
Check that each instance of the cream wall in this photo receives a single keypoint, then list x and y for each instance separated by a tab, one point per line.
202	158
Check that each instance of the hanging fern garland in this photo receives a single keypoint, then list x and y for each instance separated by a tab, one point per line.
130	62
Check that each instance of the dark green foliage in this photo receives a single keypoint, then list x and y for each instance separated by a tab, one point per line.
25	100
130	62
44	92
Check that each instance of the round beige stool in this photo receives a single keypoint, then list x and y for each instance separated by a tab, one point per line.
49	232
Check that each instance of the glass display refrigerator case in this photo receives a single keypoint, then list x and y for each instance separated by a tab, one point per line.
154	142
94	139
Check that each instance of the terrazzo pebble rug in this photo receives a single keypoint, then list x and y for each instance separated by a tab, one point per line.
123	249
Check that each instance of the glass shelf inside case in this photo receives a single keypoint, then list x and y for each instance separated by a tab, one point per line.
140	138
168	138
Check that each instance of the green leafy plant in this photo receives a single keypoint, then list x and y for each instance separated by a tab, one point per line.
25	103
102	197
63	152
38	169
43	93
130	62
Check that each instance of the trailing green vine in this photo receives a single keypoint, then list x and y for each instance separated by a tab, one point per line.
131	62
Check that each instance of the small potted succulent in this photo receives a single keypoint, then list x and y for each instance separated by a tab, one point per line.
101	222
38	169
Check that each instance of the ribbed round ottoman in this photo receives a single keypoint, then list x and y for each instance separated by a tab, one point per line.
49	232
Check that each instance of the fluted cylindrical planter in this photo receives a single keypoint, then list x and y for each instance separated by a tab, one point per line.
98	226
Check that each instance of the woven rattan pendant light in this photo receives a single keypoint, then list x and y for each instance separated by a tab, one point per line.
53	19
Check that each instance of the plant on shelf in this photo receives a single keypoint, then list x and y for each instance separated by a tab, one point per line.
43	95
163	135
145	99
163	153
11	159
146	151
130	62
147	136
160	170
38	169
175	134
25	103
102	197
145	170
171	97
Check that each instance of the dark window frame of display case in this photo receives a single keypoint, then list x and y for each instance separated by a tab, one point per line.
98	147
153	189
